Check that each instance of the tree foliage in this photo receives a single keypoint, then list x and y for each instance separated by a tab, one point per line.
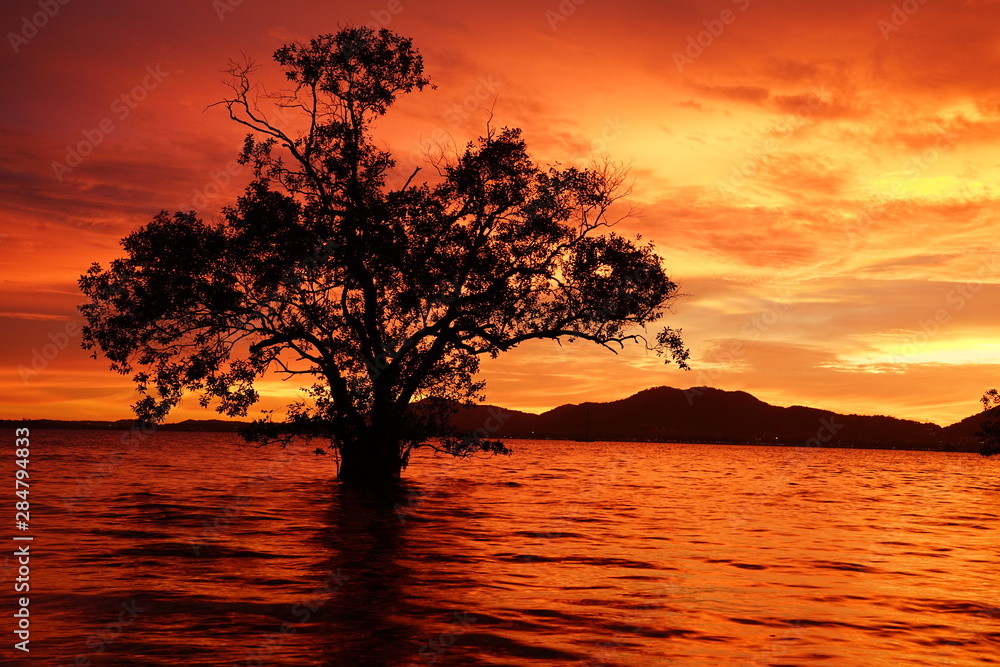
989	428
375	296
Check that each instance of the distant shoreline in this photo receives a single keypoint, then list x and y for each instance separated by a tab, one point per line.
699	415
222	426
206	425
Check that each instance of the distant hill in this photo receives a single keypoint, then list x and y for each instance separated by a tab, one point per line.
964	432
216	425
665	414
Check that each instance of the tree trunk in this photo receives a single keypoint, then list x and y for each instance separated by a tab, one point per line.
373	457
371	461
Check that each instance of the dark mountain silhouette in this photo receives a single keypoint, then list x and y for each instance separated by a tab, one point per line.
964	432
664	414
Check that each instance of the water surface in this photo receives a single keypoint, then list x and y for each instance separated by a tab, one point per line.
198	549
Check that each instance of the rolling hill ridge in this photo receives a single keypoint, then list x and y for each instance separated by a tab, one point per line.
665	414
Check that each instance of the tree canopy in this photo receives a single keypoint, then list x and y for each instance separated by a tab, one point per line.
374	296
989	428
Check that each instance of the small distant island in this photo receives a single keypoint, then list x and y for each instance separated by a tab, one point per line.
664	414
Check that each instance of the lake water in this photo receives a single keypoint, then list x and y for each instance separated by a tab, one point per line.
198	549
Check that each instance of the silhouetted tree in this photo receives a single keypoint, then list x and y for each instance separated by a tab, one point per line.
989	428
380	296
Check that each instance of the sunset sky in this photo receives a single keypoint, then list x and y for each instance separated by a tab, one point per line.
821	179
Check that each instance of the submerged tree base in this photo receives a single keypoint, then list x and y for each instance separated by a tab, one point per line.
369	475
371	462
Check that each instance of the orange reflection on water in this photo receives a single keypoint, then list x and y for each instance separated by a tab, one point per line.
566	553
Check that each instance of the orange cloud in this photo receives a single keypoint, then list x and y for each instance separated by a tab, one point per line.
808	166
